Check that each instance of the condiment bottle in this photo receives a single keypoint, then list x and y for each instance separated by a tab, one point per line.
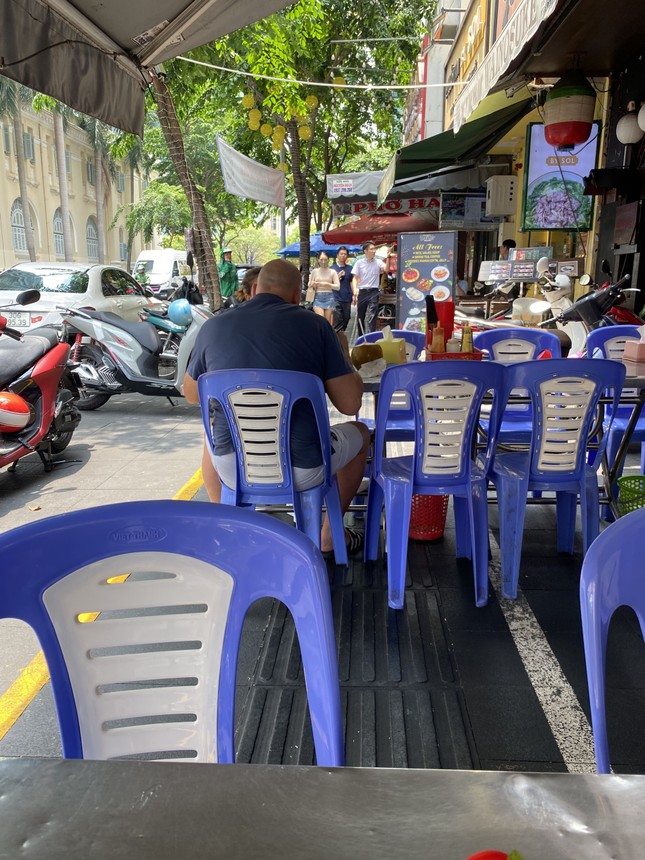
453	345
438	343
467	339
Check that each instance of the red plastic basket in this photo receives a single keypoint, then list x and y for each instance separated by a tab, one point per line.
428	517
475	355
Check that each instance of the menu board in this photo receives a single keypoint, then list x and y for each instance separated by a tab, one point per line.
531	253
554	183
508	270
426	266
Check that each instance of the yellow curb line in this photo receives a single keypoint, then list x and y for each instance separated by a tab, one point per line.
17	698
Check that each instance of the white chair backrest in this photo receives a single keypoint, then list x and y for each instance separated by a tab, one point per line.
615	346
142	635
259	417
513	349
446	406
564	405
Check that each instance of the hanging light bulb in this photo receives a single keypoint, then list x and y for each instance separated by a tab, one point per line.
254	124
627	129
339	83
641	117
266	129
311	102
248	101
304	132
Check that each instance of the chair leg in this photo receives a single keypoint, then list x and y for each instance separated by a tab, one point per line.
463	527
594	634
335	515
613	443
511	499
398	507
373	520
642	458
566	507
307	507
589	511
478	502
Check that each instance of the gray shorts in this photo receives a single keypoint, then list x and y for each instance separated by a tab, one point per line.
346	440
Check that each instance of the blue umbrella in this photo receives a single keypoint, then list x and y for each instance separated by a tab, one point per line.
316	245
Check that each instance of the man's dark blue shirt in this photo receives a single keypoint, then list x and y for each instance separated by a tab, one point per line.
267	332
345	292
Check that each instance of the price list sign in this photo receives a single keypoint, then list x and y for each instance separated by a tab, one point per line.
426	266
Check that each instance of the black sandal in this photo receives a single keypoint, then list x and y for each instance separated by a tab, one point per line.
355	543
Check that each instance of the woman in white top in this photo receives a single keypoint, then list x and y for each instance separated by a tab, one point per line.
325	282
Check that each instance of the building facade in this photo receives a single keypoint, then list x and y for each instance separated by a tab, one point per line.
43	191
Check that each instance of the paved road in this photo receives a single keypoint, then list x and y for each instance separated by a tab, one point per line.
132	448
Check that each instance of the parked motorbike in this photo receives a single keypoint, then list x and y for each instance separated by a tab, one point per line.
37	393
594	309
122	357
621	315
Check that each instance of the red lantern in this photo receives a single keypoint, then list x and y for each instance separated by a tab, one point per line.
568	111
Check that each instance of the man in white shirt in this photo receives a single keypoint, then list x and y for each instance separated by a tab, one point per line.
365	286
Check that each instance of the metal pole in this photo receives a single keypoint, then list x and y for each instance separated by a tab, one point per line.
283	218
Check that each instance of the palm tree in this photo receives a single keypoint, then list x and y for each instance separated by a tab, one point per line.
12	97
61	115
99	136
129	147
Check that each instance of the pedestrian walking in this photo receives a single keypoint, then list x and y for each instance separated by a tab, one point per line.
344	295
366	277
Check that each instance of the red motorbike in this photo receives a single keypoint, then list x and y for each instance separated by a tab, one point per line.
37	392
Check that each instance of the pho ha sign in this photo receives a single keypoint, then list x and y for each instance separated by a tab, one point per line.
371	207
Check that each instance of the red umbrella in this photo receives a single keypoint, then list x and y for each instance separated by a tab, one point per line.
379	229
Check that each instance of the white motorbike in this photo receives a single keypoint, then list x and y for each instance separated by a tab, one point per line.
112	356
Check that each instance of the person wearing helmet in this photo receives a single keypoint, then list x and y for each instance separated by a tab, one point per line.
141	276
228	282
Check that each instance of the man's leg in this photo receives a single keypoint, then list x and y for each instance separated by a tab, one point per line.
346	313
211	478
372	311
361	307
349	480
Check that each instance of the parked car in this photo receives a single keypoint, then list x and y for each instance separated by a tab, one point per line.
73	285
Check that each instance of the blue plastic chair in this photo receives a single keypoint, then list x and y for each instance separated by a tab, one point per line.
139	610
400	424
610	343
258	406
446	398
509	346
564	396
611	577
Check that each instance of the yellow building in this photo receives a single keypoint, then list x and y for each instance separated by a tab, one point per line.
41	173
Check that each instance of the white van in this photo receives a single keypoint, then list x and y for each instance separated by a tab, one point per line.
165	268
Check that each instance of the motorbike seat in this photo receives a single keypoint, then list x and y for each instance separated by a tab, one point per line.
17	356
144	332
156	311
473	311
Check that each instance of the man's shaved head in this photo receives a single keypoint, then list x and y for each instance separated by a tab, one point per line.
280	278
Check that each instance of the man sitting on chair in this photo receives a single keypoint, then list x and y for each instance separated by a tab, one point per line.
272	331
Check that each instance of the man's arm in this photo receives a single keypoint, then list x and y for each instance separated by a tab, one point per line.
190	390
345	392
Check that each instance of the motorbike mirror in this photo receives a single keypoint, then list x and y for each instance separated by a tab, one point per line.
190	262
27	297
542	265
605	268
584	280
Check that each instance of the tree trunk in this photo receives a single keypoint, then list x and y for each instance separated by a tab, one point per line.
59	135
300	187
203	253
22	182
98	189
130	238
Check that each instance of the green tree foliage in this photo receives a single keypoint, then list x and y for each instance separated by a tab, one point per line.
163	208
254	246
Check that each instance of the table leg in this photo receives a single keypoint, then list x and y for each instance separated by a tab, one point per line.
610	473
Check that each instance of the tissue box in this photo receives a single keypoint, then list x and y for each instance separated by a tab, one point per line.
634	350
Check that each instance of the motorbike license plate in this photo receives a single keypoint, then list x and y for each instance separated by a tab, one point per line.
17	319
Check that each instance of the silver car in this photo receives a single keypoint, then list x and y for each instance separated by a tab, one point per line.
72	285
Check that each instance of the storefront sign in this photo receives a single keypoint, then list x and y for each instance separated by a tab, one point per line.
249	179
531	253
520	28
342	186
554	197
465	212
504	11
466	55
369	207
425	266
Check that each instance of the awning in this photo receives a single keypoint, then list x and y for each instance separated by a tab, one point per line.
448	152
92	56
316	245
379	229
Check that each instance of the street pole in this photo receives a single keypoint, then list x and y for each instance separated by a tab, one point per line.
283	218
